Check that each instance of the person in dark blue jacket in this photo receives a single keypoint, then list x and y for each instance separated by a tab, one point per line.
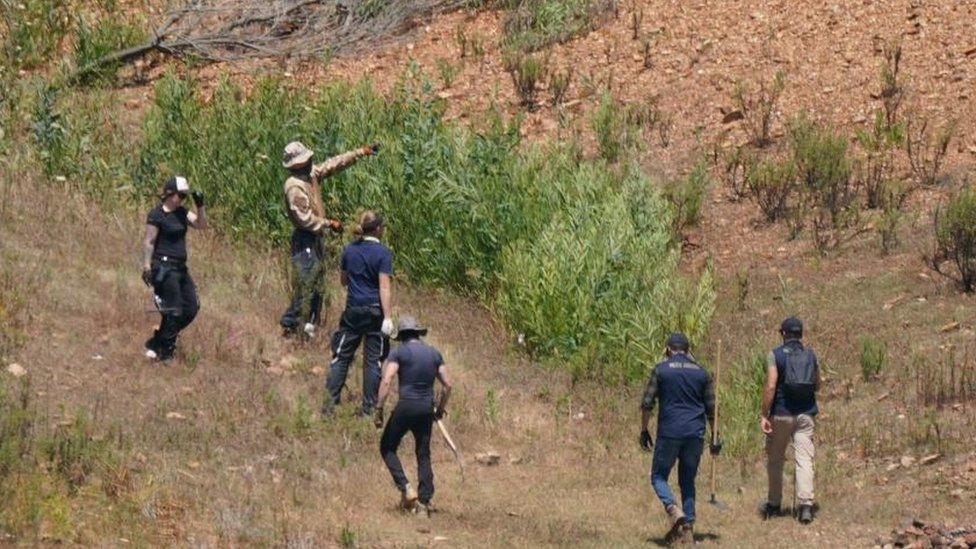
687	399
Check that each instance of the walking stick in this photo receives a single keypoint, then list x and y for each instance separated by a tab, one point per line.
451	445
718	376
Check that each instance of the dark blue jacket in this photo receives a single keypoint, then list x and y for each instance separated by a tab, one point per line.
686	394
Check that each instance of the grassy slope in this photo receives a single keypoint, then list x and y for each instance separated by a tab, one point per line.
252	464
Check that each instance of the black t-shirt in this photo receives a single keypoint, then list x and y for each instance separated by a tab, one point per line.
171	241
419	363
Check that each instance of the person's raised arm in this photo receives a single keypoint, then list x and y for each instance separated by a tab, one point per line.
340	162
445	379
769	392
198	220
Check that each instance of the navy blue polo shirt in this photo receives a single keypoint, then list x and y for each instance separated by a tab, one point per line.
686	395
418	363
783	406
363	261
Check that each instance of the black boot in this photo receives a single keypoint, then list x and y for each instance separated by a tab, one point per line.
768	511
806	514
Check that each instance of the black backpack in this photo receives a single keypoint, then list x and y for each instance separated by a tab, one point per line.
799	376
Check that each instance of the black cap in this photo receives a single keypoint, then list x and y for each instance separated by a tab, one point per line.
791	326
678	341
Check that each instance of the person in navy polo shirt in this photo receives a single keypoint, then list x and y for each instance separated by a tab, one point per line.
687	398
367	270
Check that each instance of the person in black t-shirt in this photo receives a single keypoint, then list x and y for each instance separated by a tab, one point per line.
164	264
367	272
416	366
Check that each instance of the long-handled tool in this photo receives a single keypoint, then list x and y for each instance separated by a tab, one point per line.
718	376
451	445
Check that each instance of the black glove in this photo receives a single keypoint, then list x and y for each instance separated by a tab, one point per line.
197	198
378	418
646	442
439	414
375	148
147	277
715	447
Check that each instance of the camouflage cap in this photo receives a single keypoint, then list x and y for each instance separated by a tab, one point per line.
296	154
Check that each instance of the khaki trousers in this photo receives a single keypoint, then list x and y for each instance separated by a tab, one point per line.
799	431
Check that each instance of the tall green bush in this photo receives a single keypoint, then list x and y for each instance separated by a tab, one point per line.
579	259
955	239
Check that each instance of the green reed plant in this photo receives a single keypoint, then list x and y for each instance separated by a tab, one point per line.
579	258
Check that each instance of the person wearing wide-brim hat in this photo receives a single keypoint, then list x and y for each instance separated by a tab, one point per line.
416	365
164	264
303	202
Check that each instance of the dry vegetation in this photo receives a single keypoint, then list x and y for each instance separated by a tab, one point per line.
226	447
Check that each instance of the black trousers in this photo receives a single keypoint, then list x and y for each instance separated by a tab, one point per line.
306	302
176	298
417	417
358	325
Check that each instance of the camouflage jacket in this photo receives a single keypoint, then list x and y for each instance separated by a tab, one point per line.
303	199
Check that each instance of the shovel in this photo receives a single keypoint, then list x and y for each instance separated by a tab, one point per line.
451	445
718	375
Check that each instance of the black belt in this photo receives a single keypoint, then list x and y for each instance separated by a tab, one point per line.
169	260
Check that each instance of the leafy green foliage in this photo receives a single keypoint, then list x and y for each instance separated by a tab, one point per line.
95	41
532	25
874	354
771	184
33	30
686	196
579	259
955	238
611	126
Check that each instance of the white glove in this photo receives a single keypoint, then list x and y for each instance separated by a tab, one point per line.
387	328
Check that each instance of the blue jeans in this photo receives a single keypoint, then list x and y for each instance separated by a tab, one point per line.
687	452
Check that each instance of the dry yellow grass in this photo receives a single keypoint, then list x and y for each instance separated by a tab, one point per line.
246	461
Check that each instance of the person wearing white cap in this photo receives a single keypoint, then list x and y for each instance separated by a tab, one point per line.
164	264
303	202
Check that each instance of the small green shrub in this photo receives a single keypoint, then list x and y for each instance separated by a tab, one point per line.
34	29
559	81
955	239
874	354
736	167
612	128
739	401
758	106
447	71
527	72
875	169
771	185
927	148
686	196
826	181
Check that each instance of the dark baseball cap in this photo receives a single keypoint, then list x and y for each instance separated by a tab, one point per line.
791	326
678	341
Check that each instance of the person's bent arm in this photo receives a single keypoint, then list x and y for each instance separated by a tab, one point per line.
389	371
199	219
301	206
148	246
446	386
344	278
710	406
769	392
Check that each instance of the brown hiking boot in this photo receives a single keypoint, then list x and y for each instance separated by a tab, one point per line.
408	498
677	518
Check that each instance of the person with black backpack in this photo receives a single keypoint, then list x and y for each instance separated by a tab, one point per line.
789	407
